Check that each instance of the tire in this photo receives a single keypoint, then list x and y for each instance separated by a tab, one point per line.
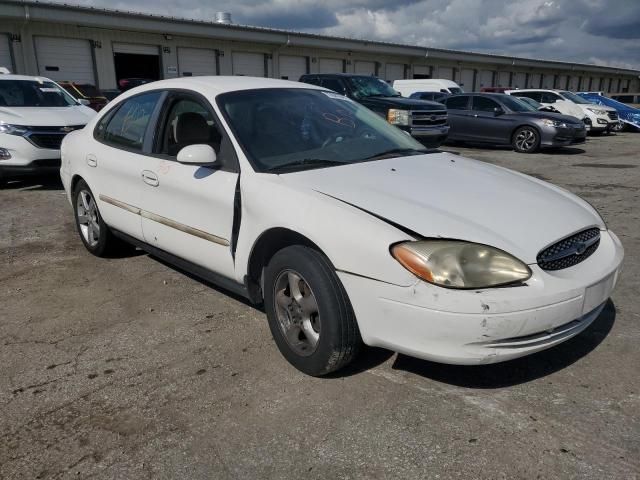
314	325
526	140
94	233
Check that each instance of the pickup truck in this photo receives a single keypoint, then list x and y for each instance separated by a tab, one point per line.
425	121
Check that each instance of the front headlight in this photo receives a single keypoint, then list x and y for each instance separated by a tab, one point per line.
554	123
13	129
398	117
458	264
597	111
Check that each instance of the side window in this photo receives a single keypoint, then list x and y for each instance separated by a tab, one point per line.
127	126
537	96
457	103
188	122
311	80
334	84
484	104
549	97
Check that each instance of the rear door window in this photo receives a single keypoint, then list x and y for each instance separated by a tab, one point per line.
457	103
334	84
128	126
537	96
484	104
550	97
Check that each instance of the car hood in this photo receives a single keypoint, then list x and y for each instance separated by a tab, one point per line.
595	105
47	116
401	103
444	195
550	115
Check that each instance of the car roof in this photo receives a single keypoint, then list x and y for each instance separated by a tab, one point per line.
536	90
11	76
216	85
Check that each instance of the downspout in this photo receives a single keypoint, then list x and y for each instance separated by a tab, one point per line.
27	18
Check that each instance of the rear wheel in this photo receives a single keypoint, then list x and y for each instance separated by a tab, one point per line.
94	233
526	140
309	313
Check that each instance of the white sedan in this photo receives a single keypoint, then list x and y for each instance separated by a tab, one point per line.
345	227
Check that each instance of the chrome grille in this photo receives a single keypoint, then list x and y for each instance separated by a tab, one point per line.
49	137
425	118
612	115
570	251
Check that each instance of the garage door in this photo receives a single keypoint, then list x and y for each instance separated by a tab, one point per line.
466	80
292	67
365	68
136	48
5	53
249	64
503	79
193	62
445	72
422	71
547	80
520	80
486	78
65	59
331	65
534	80
394	71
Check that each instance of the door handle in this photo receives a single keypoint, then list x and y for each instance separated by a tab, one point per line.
150	178
92	161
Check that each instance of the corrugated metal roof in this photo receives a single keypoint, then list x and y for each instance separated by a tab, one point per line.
235	26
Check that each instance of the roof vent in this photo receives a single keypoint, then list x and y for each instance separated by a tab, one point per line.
223	17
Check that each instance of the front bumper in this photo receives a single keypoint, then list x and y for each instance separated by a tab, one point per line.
470	327
560	137
26	158
428	132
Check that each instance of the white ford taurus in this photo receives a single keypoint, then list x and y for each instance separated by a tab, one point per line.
343	225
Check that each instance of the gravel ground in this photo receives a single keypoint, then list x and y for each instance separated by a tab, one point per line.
127	368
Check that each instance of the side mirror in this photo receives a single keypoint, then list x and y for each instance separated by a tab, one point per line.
498	111
199	154
84	101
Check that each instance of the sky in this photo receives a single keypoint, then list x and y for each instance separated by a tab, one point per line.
603	32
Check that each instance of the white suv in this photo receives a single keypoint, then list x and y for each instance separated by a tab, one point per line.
35	115
597	118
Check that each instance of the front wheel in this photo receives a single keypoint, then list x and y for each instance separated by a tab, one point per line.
526	140
309	313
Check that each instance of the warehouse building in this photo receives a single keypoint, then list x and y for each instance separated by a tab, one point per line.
100	47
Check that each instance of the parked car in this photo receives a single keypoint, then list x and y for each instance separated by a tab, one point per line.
129	83
110	94
430	96
426	121
346	228
407	87
598	119
629	116
500	119
495	89
86	94
538	106
35	115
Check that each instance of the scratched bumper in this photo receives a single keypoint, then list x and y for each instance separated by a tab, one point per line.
486	326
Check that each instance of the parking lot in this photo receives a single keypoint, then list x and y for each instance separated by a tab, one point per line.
128	368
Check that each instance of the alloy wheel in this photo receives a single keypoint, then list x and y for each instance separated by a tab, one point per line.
297	312
88	220
526	140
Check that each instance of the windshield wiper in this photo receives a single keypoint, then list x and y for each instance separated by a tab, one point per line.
397	152
304	163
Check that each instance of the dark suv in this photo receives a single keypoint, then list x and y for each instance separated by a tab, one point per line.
426	121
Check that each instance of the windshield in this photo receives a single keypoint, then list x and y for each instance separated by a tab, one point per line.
371	87
530	101
516	105
282	128
32	93
455	90
574	98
